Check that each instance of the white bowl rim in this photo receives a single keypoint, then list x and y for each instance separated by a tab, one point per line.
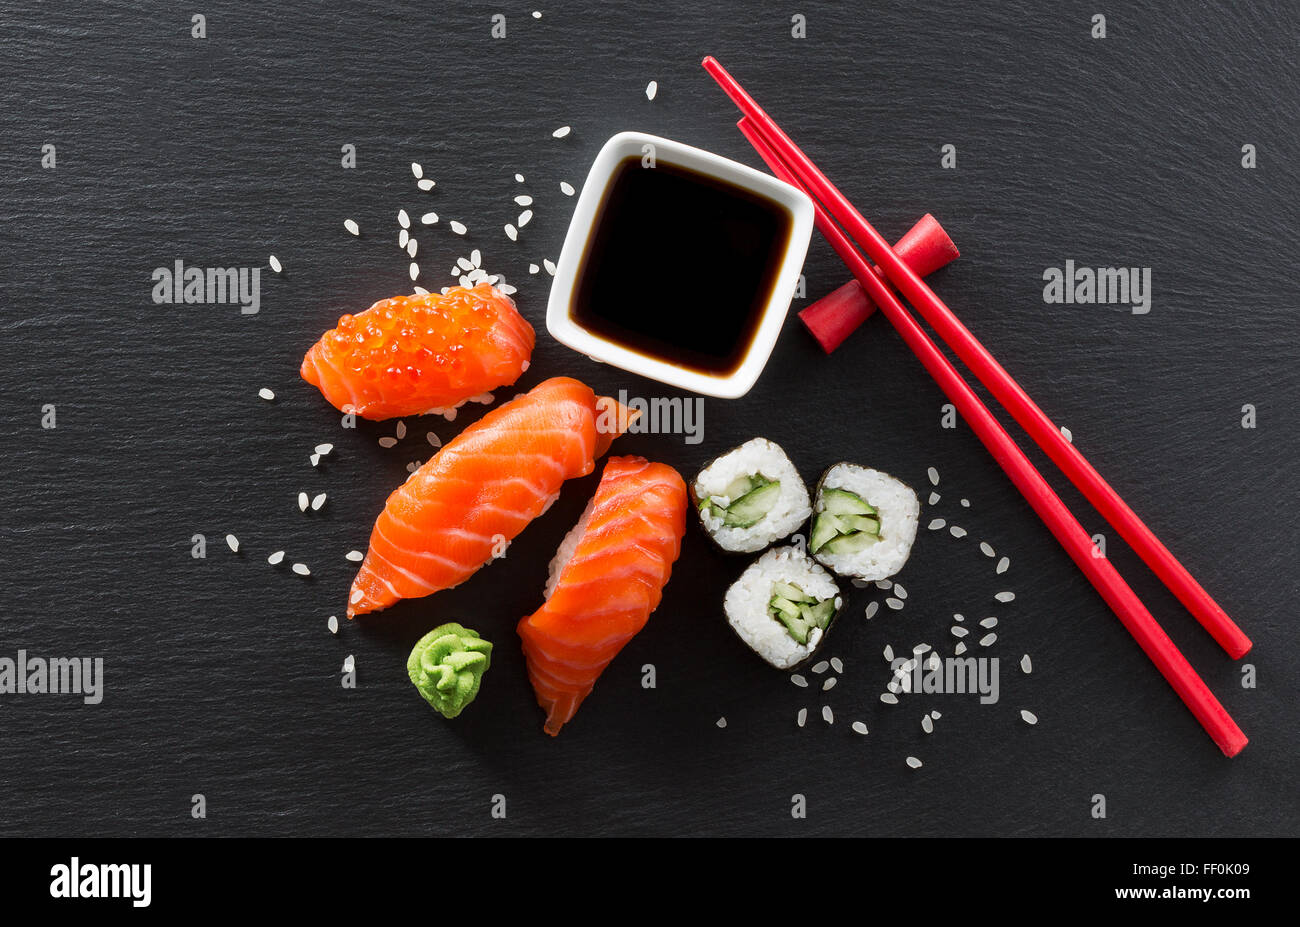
569	333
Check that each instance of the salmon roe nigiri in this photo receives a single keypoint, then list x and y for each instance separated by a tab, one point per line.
412	355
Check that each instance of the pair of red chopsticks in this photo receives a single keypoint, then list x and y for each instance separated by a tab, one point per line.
833	211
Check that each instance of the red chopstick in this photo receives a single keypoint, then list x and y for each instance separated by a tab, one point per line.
1000	383
1076	541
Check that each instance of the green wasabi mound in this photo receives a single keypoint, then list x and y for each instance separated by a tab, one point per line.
447	665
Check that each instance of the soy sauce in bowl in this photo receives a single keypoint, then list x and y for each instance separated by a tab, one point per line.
679	266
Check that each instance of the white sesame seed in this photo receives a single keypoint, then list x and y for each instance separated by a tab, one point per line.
233	543
560	132
317	502
303	502
1005	597
859	727
927	724
837	664
987	549
525	217
523	199
827	715
403	219
519	178
722	722
989	623
651	89
415	270
936	523
889	698
566	188
550	268
800	718
511	232
872	608
958	631
820	666
387	441
829	683
895	604
426	184
333	624
458	227
266	394
275	263
351	226
1028	716
913	762
275	557
1003	564
988	639
433	439
889	653
324	449
1026	665
429	218
958	531
301	569
933	474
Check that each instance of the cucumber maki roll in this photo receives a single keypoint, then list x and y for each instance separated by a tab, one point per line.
782	606
750	497
864	522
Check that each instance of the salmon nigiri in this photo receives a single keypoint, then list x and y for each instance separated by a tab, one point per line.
606	579
458	510
412	355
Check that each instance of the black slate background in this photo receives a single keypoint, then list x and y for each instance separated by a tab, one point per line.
221	677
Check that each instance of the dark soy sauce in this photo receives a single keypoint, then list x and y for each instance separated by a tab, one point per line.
679	266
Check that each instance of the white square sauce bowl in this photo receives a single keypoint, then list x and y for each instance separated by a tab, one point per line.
679	265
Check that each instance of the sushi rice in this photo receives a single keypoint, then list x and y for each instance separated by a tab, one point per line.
790	505
898	513
747	605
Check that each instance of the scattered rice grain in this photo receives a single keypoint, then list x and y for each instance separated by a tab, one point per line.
988	639
275	557
859	727
1028	716
566	188
933	474
1003	564
560	132
403	219
913	762
266	394
1005	597
351	226
799	681
275	263
301	569
1026	665
827	715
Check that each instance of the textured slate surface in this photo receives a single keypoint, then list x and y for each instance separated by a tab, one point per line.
221	678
